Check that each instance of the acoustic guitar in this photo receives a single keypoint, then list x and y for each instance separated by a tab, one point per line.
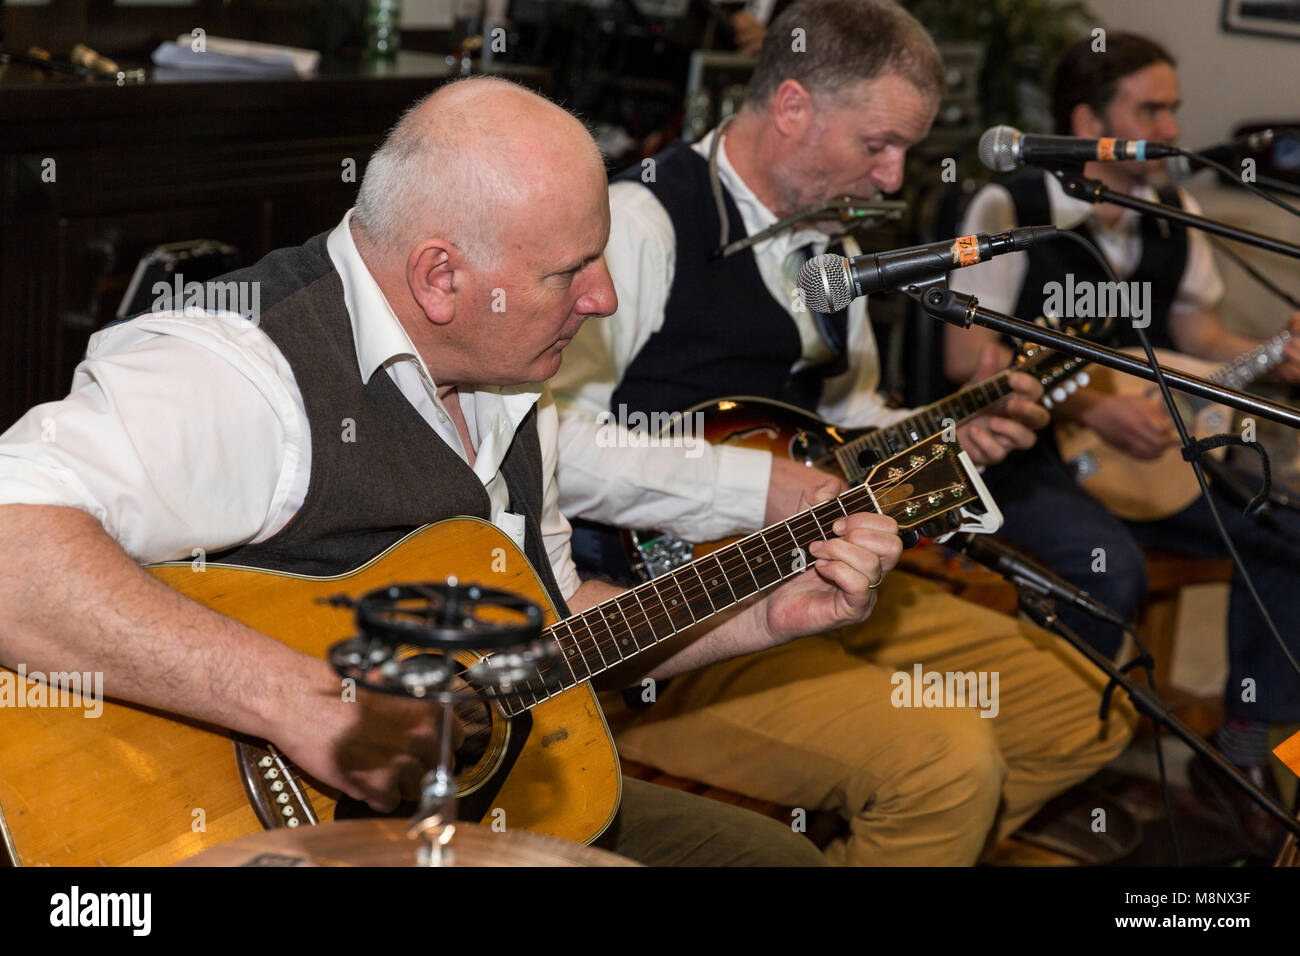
137	786
1150	489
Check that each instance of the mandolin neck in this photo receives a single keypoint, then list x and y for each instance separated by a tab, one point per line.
956	408
1245	369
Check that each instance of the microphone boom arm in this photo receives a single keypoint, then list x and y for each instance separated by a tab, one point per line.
960	309
1094	191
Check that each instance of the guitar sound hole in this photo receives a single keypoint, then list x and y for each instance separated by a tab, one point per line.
476	719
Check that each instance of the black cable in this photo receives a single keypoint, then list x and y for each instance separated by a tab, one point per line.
1149	670
1196	467
1235	177
1246	267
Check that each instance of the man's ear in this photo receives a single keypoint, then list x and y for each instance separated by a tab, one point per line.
431	274
792	109
1086	123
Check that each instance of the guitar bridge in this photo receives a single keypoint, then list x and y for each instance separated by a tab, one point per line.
272	787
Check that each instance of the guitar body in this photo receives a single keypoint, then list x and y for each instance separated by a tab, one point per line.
786	431
1132	488
127	788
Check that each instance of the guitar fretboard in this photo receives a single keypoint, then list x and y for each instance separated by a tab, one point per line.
603	636
957	407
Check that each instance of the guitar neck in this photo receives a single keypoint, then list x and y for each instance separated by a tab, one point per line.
958	407
1244	369
603	636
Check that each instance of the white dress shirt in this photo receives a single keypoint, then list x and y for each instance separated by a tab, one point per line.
996	283
186	430
724	490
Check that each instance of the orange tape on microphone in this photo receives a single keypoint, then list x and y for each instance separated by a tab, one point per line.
966	250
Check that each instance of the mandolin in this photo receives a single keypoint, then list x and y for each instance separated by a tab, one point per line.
788	431
1151	489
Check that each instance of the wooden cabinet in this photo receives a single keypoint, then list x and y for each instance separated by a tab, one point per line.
94	175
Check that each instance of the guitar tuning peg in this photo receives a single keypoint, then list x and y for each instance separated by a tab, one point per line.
1083	379
910	536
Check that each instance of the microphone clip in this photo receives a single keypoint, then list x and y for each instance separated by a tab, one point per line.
940	302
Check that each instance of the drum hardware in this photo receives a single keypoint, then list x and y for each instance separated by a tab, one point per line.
422	640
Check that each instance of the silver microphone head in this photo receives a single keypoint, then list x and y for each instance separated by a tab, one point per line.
824	283
1000	148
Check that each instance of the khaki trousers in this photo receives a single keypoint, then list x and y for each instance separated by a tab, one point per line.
813	725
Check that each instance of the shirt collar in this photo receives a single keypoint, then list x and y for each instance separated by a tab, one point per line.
376	331
753	213
380	339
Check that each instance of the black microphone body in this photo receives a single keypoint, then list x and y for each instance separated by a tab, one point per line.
830	282
1224	153
1003	148
1019	569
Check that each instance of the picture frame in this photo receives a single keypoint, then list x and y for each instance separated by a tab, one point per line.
1279	19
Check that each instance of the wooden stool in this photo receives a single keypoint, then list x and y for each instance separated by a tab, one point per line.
1157	624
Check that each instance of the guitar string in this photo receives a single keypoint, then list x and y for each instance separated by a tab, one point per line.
955	401
733	571
901	430
804	523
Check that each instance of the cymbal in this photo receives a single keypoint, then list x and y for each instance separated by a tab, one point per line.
384	842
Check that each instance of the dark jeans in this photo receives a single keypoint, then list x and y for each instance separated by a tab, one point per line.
1048	514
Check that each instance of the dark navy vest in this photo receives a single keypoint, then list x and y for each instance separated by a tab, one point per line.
1164	259
723	333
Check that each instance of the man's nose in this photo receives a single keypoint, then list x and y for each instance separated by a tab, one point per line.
599	299
1167	127
888	175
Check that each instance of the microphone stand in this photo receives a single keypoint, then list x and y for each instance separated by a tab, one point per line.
1042	610
1094	191
963	310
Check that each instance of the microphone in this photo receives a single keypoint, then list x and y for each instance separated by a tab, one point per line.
829	282
1003	148
1180	167
1022	570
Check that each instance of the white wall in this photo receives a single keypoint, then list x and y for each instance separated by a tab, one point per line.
1227	78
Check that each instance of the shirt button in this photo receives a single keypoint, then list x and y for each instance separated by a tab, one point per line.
442	418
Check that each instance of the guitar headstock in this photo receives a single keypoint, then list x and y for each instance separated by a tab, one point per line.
924	483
